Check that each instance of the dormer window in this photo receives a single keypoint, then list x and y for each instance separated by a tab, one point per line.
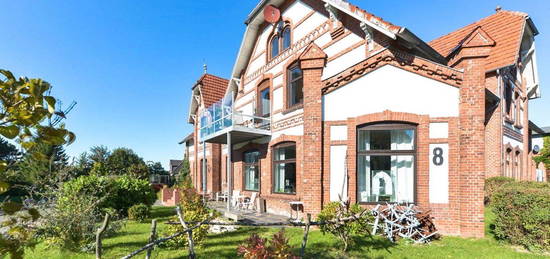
280	41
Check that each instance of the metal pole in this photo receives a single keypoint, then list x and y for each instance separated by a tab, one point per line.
204	171
229	167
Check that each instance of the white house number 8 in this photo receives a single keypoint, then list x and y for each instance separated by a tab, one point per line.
438	156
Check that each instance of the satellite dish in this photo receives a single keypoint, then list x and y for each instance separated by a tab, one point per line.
272	14
536	149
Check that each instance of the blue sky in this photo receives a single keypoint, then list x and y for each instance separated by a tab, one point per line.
130	64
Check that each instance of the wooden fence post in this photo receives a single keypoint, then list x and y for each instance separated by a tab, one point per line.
98	236
189	233
152	238
306	232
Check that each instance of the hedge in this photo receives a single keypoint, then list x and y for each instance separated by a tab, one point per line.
522	211
493	184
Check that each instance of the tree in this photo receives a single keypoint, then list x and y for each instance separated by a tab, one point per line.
138	170
184	171
544	154
25	104
39	173
8	152
99	154
82	165
125	161
156	168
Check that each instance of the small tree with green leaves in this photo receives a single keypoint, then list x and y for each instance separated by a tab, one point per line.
344	230
25	107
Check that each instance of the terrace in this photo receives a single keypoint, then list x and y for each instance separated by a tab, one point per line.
221	123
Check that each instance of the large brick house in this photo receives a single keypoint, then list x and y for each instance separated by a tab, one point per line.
331	102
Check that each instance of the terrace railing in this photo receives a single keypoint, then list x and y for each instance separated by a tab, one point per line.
222	115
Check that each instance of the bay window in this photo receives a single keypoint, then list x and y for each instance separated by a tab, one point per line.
284	168
386	163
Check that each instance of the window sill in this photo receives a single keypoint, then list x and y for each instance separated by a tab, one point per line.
508	120
381	203
293	108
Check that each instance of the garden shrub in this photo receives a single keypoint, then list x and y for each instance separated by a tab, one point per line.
72	224
118	193
344	231
522	214
193	210
492	184
258	247
139	212
131	191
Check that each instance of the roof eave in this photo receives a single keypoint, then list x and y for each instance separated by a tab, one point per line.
532	25
421	45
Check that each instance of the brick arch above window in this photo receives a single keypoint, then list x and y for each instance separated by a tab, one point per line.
422	123
265	82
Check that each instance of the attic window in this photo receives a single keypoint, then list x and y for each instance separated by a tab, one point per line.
280	41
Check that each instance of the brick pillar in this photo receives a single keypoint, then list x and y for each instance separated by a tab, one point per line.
471	58
216	168
312	62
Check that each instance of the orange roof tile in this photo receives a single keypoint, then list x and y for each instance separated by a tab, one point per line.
373	18
504	27
213	88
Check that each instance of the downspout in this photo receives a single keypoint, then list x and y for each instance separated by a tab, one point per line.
502	162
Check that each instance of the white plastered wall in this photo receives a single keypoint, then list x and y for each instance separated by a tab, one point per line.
395	89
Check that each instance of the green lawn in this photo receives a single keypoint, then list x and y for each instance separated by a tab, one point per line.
135	235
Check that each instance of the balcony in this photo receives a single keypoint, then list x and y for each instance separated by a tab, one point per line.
220	121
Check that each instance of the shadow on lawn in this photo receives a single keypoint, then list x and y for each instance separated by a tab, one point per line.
360	246
162	212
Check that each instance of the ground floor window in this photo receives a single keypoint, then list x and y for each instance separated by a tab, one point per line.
252	171
386	163
284	168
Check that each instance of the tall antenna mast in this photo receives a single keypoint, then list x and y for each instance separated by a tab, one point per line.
61	114
205	67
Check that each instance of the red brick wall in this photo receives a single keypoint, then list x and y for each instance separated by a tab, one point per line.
312	63
493	133
472	140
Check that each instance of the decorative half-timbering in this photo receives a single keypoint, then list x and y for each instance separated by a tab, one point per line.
327	101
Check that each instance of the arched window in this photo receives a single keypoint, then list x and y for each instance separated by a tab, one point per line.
280	41
274	46
284	168
517	164
263	107
295	85
508	165
385	163
286	38
251	170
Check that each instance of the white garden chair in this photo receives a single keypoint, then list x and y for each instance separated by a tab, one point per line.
235	199
249	203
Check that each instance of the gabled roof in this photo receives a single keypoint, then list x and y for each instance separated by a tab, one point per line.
210	89
505	28
256	18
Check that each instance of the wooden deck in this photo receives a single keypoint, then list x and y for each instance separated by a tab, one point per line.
246	216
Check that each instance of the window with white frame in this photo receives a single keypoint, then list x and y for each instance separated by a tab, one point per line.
386	163
252	170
